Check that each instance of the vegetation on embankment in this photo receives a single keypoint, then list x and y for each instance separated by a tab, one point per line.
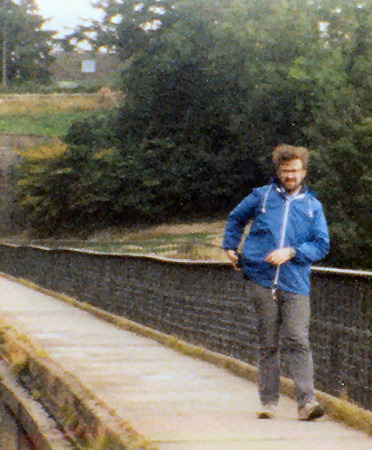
50	115
207	97
194	241
43	124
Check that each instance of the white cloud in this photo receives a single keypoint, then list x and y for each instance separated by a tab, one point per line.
66	14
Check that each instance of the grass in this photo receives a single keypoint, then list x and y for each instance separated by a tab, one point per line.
194	246
194	241
197	240
50	115
188	245
42	124
33	104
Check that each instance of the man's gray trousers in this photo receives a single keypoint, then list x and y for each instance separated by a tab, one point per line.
283	329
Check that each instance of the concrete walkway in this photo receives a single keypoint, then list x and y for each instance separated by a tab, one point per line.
173	400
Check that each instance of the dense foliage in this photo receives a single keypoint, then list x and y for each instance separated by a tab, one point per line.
210	88
26	49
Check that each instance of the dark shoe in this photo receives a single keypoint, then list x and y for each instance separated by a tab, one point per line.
310	411
266	412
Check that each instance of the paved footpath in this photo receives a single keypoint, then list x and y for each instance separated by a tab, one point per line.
173	400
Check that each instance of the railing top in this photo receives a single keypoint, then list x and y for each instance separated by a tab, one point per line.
342	271
317	269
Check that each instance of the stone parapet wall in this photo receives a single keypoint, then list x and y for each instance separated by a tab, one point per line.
63	414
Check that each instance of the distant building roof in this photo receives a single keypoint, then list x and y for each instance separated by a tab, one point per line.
74	66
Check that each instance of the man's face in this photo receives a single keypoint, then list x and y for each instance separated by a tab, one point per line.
291	174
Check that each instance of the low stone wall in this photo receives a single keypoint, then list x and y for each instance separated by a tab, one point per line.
205	304
65	415
23	423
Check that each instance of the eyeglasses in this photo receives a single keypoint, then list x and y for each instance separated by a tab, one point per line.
290	171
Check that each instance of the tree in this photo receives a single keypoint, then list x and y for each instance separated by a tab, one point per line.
338	126
26	47
123	21
209	91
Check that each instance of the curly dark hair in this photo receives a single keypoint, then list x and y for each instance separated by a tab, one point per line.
284	152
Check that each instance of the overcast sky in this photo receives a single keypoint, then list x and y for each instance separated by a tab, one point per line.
66	14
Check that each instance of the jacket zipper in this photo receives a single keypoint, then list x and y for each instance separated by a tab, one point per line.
282	239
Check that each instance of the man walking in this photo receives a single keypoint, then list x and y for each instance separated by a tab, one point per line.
288	233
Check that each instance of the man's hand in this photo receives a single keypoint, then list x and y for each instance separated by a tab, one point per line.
233	257
281	256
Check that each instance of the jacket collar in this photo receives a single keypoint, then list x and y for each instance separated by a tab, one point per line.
279	188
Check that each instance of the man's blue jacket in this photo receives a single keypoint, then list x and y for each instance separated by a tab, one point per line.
279	220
